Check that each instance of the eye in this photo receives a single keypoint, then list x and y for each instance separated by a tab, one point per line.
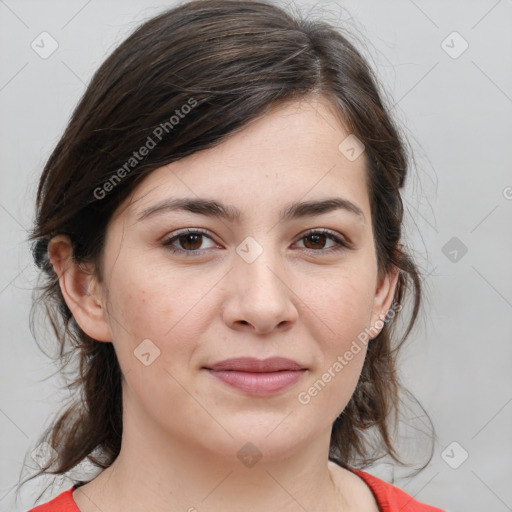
318	238
190	241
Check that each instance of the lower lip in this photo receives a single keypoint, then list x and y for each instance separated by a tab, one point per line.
260	384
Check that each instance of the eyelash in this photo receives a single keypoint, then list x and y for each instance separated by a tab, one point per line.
342	245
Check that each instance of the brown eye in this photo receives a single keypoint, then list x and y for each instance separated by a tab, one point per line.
316	241
190	242
187	242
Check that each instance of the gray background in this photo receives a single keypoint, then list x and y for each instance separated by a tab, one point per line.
458	115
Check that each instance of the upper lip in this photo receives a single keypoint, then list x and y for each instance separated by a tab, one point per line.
252	364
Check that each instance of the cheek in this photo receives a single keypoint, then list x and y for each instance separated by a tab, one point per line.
149	324
170	308
342	312
343	302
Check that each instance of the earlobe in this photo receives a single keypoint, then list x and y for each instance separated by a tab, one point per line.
80	289
384	295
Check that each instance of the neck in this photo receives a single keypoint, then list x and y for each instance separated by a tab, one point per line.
154	471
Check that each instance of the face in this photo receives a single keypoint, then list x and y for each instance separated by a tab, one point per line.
184	289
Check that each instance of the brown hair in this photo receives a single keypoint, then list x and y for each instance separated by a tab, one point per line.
229	62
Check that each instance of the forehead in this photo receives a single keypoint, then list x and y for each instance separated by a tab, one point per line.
295	152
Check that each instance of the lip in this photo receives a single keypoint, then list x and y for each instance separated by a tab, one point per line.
252	364
258	377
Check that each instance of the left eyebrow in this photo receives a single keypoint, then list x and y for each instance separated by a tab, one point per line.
216	209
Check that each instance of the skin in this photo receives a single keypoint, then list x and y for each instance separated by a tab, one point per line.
182	428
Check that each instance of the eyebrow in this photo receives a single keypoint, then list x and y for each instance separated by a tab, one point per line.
216	209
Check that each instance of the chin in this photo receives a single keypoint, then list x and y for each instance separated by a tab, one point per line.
266	439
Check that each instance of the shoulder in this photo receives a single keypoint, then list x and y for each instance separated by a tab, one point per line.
390	498
64	502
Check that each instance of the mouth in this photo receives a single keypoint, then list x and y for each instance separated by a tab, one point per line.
257	377
254	365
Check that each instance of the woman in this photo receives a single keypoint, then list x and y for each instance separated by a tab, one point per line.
220	226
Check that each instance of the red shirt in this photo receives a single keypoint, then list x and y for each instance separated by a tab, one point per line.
389	498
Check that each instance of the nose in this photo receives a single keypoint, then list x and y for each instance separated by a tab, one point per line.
259	296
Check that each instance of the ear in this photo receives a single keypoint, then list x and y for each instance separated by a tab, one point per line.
80	289
383	300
